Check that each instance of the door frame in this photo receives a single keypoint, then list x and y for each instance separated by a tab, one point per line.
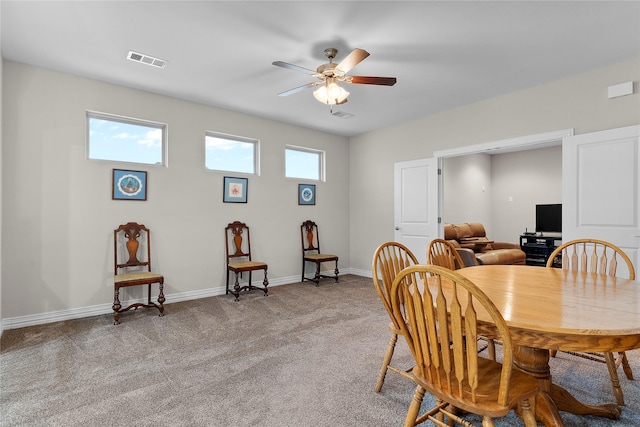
521	143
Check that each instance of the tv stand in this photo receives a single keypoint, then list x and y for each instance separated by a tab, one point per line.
538	247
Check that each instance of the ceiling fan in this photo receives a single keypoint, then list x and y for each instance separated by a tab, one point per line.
331	74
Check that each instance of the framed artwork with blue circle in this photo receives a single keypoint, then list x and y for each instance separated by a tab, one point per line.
306	194
129	185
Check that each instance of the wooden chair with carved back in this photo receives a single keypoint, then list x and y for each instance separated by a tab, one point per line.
597	256
388	260
443	253
239	259
311	253
132	267
438	311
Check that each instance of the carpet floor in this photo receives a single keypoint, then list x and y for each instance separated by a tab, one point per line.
303	356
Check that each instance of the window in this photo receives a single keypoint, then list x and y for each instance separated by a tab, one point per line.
231	153
124	139
304	163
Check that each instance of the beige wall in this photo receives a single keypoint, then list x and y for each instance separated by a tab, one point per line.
578	102
58	216
57	212
468	185
1	161
520	181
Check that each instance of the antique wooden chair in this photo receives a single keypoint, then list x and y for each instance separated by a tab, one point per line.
239	258
440	313
132	267
388	260
311	252
597	256
443	253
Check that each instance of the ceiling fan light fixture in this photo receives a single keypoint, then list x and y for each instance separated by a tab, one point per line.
331	93
331	74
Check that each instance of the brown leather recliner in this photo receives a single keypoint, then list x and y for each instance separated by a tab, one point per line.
476	249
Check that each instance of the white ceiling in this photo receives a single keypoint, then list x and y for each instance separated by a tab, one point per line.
443	53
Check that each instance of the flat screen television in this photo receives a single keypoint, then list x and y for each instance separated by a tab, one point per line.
549	218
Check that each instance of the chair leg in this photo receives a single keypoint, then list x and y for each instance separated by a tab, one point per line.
414	408
265	283
236	289
302	277
487	422
622	360
491	348
527	414
161	298
336	271
116	305
385	362
615	381
317	276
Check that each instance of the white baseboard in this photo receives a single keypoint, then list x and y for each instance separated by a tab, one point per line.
100	309
358	272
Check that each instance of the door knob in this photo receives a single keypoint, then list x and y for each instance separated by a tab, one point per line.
397	228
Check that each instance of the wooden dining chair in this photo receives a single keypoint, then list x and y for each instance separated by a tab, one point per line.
439	313
239	259
132	267
311	253
597	256
388	260
443	253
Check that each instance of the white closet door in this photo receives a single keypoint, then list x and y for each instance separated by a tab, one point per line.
416	204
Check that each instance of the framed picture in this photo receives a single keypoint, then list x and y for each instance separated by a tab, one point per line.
235	190
306	194
129	185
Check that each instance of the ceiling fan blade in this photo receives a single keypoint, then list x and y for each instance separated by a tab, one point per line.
299	89
354	58
293	67
365	80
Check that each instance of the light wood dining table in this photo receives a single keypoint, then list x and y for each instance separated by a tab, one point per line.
551	308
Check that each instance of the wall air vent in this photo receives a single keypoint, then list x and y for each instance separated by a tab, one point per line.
146	59
342	114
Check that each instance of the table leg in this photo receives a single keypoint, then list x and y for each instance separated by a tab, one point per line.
535	362
566	402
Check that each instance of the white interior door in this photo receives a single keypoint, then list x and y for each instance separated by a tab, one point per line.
416	204
601	189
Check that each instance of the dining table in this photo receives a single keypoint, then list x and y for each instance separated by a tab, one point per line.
558	309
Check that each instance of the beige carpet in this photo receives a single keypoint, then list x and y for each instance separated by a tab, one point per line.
303	356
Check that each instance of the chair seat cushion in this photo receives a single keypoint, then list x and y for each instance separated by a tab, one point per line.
130	277
320	257
247	265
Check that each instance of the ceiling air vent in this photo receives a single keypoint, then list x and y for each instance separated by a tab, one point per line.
146	59
342	114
